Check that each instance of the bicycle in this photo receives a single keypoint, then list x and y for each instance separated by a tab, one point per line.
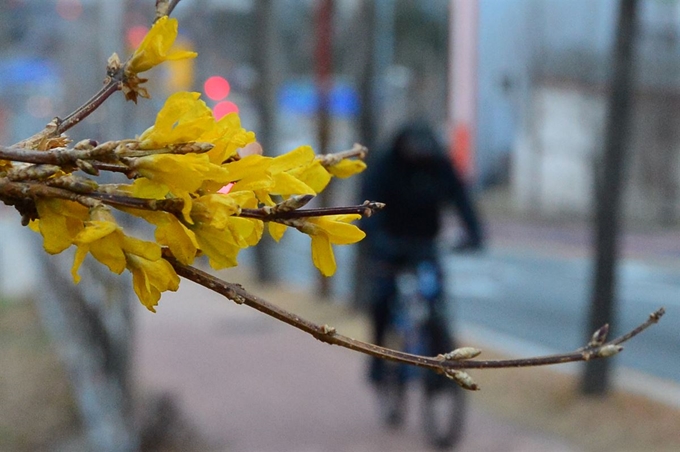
417	325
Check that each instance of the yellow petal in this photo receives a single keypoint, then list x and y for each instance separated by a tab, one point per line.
258	228
300	156
339	231
148	250
276	230
61	221
247	167
285	184
155	46
239	230
146	188
215	244
322	255
55	232
346	168
182	242
227	136
110	253
188	205
314	175
215	209
244	198
79	257
256	182
183	118
180	172
95	230
150	278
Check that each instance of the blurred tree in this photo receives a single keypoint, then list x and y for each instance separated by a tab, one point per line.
265	40
323	56
608	191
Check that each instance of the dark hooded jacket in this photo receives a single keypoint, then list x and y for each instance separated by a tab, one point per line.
416	180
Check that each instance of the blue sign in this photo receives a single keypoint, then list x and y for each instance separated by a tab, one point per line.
301	97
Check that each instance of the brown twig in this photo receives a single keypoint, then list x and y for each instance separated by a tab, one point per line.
59	156
439	363
171	205
32	190
269	214
359	151
654	317
82	112
165	7
171	7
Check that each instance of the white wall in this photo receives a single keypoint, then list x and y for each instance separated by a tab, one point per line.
554	156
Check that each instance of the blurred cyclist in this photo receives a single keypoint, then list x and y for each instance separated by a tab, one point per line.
417	181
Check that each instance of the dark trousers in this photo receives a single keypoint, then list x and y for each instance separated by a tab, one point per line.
383	295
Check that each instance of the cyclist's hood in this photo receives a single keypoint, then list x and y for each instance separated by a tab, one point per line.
416	144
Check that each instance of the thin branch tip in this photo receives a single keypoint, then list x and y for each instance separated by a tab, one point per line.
454	364
656	315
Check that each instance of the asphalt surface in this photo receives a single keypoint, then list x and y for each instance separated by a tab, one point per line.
538	292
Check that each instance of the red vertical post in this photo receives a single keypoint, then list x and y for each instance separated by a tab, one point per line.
463	28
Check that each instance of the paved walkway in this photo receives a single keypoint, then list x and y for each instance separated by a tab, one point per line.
251	384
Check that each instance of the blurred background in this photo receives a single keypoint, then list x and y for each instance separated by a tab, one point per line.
570	144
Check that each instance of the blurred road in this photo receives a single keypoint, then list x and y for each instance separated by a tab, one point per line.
251	384
532	286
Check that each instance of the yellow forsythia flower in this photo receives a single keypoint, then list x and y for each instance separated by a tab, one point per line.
327	230
150	278
220	234
105	240
183	172
155	47
182	119
108	244
268	176
227	136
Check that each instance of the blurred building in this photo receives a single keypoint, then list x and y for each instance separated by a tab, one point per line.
554	78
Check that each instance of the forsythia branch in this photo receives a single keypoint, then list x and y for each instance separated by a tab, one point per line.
448	364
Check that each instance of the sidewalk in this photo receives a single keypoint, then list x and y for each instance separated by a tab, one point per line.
251	384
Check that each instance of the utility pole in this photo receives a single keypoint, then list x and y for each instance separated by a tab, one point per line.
608	191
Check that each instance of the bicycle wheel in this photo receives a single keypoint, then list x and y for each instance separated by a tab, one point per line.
443	412
392	398
392	388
